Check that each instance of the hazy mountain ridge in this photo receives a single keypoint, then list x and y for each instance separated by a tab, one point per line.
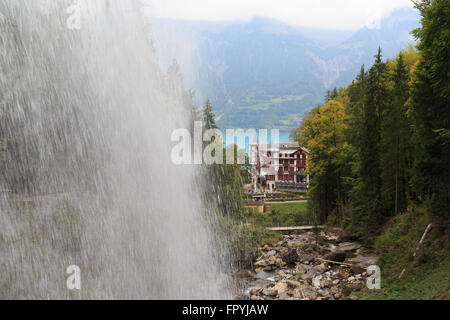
264	73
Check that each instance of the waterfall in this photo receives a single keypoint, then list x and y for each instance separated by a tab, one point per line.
86	116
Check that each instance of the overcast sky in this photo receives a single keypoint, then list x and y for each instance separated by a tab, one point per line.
328	14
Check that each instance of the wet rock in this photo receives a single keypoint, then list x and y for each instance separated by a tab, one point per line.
290	269
263	275
348	246
321	268
306	258
256	291
307	276
320	282
281	287
261	263
285	296
279	263
316	282
244	274
292	284
335	291
256	298
336	256
357	269
310	274
280	275
304	292
270	292
300	269
291	257
346	291
363	260
342	235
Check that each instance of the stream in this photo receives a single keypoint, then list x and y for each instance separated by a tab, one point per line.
308	266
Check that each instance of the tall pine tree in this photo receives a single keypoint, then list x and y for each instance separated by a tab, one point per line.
368	198
395	136
430	103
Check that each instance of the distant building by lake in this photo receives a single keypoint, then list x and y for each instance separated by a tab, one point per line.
279	167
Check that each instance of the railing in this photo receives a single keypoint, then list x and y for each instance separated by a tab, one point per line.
291	186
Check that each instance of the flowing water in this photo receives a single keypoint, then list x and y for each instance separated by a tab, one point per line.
86	175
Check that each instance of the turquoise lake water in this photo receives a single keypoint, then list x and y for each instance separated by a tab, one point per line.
284	137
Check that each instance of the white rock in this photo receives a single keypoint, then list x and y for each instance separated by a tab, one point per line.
316	282
271	253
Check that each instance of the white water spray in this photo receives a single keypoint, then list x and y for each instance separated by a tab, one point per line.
85	123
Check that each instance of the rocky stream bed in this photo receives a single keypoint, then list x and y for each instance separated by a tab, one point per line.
297	268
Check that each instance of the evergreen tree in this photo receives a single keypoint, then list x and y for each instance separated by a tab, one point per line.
209	119
395	142
430	103
226	179
367	193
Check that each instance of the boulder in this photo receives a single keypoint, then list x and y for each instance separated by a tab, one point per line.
358	270
349	246
285	296
261	263
279	263
306	258
281	287
271	253
256	291
293	284
245	274
263	275
269	292
336	256
304	292
316	282
321	268
291	257
300	268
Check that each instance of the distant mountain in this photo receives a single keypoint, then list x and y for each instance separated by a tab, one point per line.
263	73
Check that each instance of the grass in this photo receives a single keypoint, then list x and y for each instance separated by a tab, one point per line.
427	275
282	215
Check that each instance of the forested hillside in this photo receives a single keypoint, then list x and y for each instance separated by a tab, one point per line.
380	150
